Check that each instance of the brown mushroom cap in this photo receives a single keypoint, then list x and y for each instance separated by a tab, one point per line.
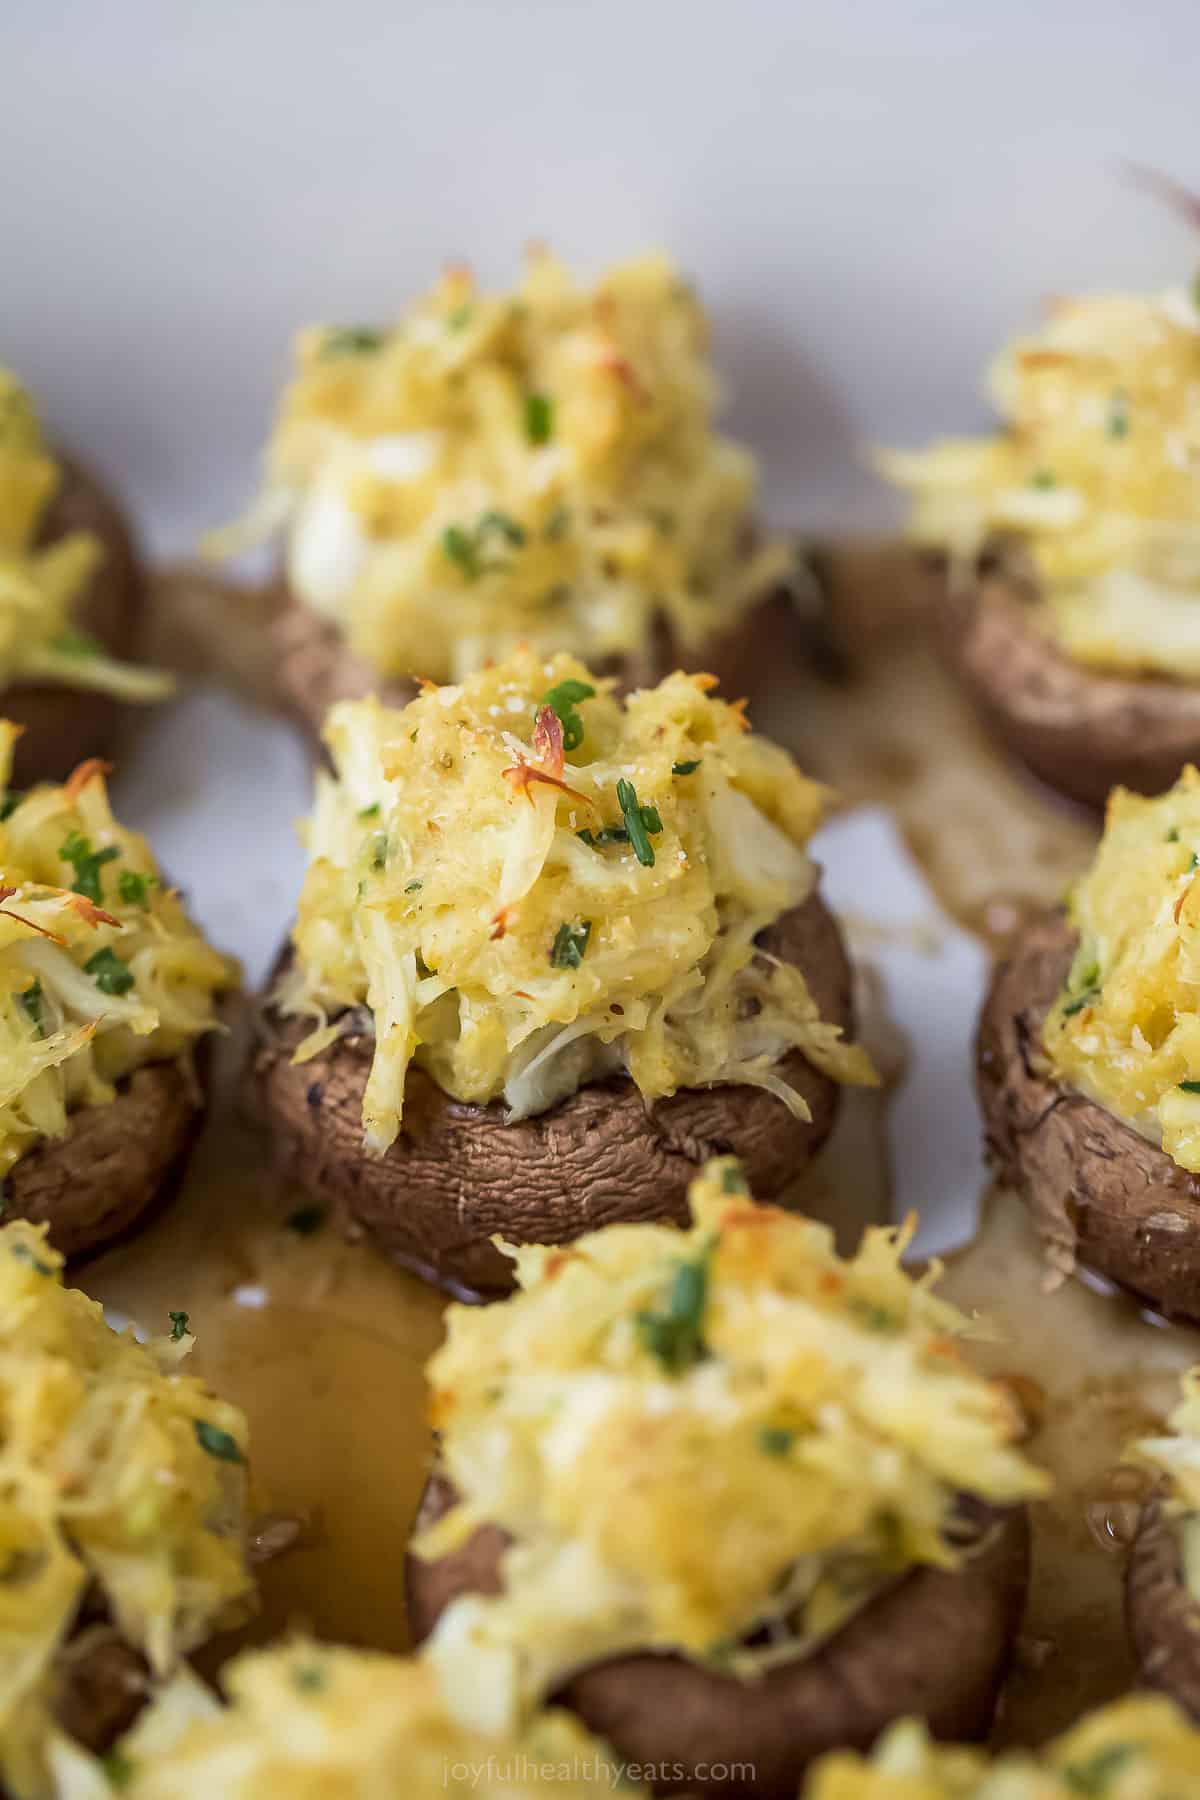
114	1163
1164	1620
935	1646
63	725
1098	1189
315	666
100	1684
459	1174
1081	730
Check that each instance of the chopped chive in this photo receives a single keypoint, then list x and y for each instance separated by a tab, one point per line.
179	1326
31	1000
351	340
111	975
218	1443
775	1440
640	821
87	864
562	701
674	1333
686	768
1043	478
539	418
570	944
1190	1087
134	889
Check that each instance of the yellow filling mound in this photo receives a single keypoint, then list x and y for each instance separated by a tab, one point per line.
695	1436
535	467
40	584
1126	1028
525	896
1096	472
306	1722
1134	1749
118	1476
101	970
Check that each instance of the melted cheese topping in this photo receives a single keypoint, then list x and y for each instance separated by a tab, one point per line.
524	900
40	584
306	1722
1096	473
101	970
693	1437
1136	1749
536	467
1126	1028
119	1477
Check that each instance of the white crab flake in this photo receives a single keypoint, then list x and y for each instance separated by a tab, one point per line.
514	704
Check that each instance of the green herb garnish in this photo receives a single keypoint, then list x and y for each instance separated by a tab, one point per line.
570	944
87	864
1043	478
119	1769
218	1443
562	701
459	546
640	821
307	1678
111	975
1080	1001
732	1180
775	1440
504	525
179	1326
369	812
459	317
351	340
686	768
1118	415
1093	1776
134	889
413	887
31	1000
539	418
609	834
379	850
12	798
1190	1087
77	643
674	1333
1173	835
22	1253
875	1318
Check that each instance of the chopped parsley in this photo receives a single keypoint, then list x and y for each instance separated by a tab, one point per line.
686	768
22	1253
305	1220
111	975
87	863
539	418
119	1769
674	1333
369	812
1079	1002
179	1326
218	1443
640	822
352	340
1190	1087
9	802
134	889
31	1000
465	549
570	944
562	701
1093	1775
1043	478
775	1440
1118	414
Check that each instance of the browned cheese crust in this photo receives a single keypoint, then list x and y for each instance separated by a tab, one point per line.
935	1646
1164	1620
1100	1192
1081	730
113	1164
459	1174
63	725
315	666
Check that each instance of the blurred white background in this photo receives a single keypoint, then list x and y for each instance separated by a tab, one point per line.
870	195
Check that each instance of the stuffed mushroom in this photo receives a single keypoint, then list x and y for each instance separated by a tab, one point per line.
1162	1584
1071	538
1089	1057
70	596
1140	1748
498	469
553	949
732	1498
307	1719
123	1523
106	988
